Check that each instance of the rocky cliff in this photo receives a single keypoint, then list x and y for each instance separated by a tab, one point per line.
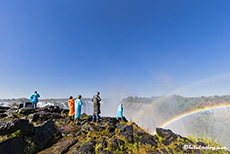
49	130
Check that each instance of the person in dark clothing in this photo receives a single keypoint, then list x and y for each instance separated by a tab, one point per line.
96	106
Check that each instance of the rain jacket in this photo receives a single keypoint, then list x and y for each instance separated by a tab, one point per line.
34	98
120	111
96	104
71	107
78	104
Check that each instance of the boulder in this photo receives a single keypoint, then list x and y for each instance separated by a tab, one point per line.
87	148
110	119
60	147
149	142
26	111
127	132
44	133
4	107
17	124
100	128
70	129
2	110
201	143
3	115
111	129
14	145
104	144
75	148
116	143
40	116
146	138
169	136
89	126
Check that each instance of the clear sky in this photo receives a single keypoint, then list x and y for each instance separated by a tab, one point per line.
118	47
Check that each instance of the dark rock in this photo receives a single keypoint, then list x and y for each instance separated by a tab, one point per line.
78	133
126	128
12	115
124	119
44	133
65	112
2	110
14	145
60	147
40	116
169	136
119	126
127	132
17	124
164	151
3	115
111	129
110	119
70	129
21	106
147	136
106	152
116	143
86	118
87	148
26	111
165	133
74	149
100	128
88	126
4	107
149	142
50	108
100	149
201	143
104	144
111	135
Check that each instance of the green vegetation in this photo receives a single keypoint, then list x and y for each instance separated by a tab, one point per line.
17	133
31	147
161	109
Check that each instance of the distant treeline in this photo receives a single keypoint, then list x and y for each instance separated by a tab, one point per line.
210	100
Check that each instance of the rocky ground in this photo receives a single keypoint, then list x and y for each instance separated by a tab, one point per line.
48	130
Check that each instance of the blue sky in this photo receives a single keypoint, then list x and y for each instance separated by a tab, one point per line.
121	48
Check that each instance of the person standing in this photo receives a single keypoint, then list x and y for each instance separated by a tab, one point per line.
71	108
96	106
120	112
34	99
78	104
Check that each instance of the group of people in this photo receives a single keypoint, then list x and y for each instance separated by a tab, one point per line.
75	107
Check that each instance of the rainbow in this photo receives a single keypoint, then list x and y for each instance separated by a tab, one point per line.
179	90
193	112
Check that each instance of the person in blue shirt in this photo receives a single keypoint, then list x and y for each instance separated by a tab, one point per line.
120	112
34	99
77	105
